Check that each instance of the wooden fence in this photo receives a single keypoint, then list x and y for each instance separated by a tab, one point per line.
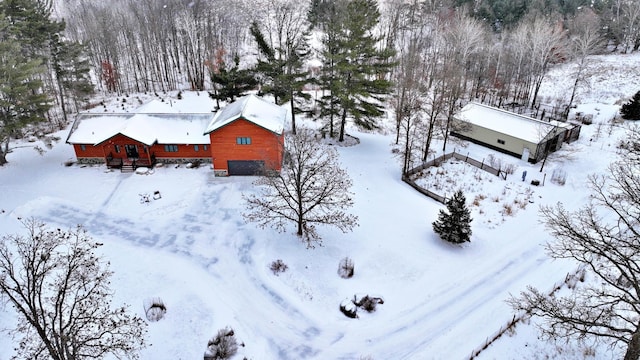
439	160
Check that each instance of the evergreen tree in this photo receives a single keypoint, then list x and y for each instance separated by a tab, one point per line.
71	68
355	67
21	102
65	73
282	70
631	110
454	225
231	83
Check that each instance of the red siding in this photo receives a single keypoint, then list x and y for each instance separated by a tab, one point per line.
109	147
89	151
265	145
184	151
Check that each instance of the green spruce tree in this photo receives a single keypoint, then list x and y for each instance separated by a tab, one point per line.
231	83
631	110
454	225
355	69
21	102
282	69
71	67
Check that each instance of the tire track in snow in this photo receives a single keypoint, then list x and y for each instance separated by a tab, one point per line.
455	307
100	224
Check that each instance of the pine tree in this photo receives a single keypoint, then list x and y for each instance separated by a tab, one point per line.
631	110
21	102
282	70
454	225
355	67
233	82
71	68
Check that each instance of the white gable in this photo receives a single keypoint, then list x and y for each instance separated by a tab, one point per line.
254	109
505	122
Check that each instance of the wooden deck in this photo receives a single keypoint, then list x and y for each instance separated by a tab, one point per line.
129	164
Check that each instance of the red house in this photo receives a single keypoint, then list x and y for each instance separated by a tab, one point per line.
247	135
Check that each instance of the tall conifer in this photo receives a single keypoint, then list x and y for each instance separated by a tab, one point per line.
355	69
454	225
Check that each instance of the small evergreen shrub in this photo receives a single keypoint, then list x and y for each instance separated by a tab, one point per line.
345	268
631	110
222	346
278	266
454	225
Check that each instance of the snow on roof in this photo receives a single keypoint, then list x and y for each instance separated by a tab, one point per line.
505	122
155	121
251	108
157	107
146	128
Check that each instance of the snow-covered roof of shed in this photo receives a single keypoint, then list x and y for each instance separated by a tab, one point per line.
254	109
146	128
505	122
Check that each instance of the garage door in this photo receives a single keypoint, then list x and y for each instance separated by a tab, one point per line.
245	167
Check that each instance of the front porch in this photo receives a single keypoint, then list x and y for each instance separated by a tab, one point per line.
129	164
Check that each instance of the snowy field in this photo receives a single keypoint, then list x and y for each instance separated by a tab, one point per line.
193	249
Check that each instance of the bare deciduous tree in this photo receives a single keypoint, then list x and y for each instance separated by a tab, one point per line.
60	289
310	189
585	40
604	236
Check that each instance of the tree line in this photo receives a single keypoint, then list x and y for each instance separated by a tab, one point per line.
429	55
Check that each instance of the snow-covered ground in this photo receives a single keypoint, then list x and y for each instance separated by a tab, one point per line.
193	249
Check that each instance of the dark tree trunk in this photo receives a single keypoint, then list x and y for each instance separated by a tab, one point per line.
293	116
633	348
343	121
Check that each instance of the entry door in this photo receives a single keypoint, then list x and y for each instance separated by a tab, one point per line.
132	151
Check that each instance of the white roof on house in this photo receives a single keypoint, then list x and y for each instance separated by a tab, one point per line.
254	109
156	106
505	122
146	128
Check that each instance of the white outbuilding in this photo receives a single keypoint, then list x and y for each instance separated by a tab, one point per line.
518	135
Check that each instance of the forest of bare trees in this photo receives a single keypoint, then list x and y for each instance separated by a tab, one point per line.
436	54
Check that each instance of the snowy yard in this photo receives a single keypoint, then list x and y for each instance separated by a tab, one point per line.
192	248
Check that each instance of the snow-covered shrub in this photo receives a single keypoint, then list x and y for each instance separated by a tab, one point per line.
368	303
154	308
559	176
494	162
509	168
345	268
477	199
507	209
222	346
349	307
278	266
